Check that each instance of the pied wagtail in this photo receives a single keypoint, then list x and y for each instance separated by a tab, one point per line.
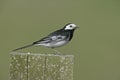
55	39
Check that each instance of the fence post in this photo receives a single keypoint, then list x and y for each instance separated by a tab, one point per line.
32	66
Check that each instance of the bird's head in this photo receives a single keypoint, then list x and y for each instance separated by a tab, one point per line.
70	26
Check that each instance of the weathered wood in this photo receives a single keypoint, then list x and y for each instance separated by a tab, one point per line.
30	66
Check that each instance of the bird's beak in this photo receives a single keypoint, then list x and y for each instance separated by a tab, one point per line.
77	27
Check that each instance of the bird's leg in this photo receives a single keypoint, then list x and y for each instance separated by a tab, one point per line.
56	51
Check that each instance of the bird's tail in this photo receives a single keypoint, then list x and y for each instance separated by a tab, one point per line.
23	47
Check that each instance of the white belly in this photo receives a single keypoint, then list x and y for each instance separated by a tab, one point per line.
55	44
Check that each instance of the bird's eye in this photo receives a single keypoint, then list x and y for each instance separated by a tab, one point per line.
70	26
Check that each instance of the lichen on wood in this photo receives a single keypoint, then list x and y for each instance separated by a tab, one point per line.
31	66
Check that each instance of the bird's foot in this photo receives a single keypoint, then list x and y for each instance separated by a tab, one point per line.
56	52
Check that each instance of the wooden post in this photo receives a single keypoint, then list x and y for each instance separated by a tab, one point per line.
28	66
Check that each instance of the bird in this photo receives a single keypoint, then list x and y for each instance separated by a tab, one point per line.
55	39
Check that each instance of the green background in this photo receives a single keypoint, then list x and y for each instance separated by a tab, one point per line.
96	45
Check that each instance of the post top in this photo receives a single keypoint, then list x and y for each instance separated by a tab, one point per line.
41	54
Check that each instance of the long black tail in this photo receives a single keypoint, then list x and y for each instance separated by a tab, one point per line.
23	47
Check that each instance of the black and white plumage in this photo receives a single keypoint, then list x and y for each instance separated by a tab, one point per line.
55	39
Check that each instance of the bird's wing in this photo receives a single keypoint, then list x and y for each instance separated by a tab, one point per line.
49	39
43	40
58	38
52	37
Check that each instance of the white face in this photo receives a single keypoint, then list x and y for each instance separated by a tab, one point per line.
70	27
